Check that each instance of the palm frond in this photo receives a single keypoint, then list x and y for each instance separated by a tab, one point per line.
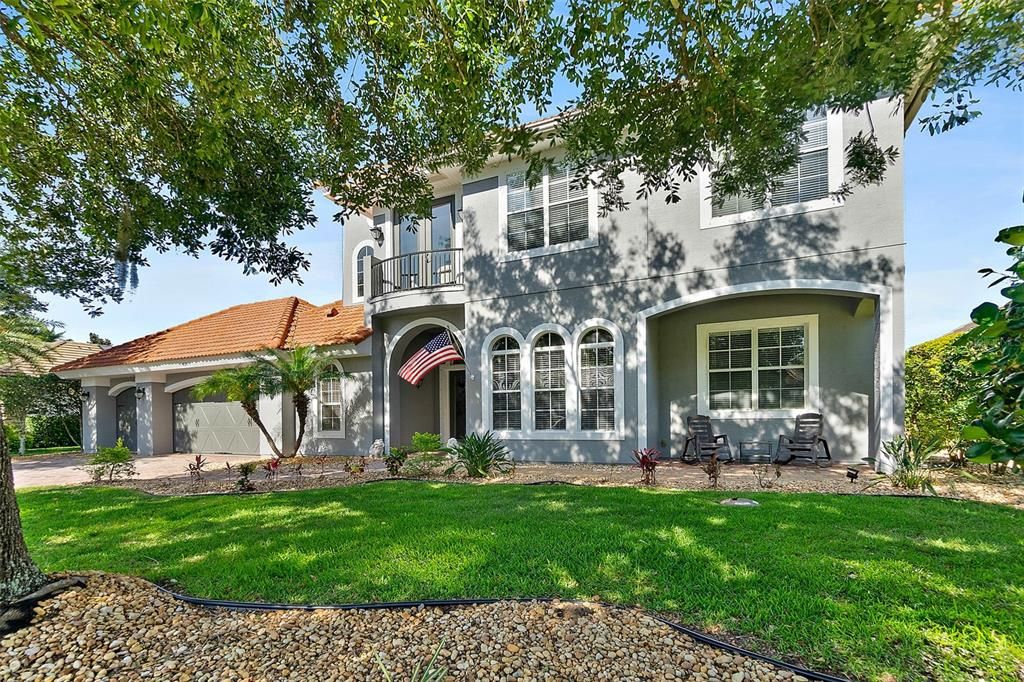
20	341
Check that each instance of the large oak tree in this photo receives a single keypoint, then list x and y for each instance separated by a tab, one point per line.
130	127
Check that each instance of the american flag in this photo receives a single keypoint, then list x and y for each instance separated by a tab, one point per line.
439	350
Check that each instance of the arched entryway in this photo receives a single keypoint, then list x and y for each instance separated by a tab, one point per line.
438	403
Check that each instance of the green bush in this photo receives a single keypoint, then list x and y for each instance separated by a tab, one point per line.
112	463
426	442
425	465
480	455
13	438
395	459
55	431
941	386
909	456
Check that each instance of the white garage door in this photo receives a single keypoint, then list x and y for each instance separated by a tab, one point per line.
213	425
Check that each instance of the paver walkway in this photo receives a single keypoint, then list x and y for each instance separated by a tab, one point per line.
67	469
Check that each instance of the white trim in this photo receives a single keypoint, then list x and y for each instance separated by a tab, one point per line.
593	225
886	423
487	399
316	432
356	298
185	383
444	396
571	384
389	351
620	372
118	389
812	395
836	168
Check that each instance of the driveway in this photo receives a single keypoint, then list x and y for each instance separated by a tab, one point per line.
67	469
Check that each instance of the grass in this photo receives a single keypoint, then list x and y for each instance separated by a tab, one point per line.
45	451
866	586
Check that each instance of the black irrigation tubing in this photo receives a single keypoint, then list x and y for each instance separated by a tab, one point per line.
696	635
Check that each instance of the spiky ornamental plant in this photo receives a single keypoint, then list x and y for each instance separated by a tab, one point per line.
296	372
245	385
19	574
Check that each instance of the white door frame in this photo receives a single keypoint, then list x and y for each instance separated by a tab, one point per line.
444	396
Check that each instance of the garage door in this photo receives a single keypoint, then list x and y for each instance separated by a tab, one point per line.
213	425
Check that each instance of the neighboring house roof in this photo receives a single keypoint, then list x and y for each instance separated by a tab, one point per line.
55	353
280	323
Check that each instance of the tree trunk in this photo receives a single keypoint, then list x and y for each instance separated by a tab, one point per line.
254	415
301	403
19	575
21	443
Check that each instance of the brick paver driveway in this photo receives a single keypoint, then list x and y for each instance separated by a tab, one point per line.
67	469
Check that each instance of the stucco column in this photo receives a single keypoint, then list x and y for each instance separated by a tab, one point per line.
270	414
98	415
154	415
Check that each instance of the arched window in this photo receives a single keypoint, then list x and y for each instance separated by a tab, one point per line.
360	274
597	381
330	398
549	383
506	392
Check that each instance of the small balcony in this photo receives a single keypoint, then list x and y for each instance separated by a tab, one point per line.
417	271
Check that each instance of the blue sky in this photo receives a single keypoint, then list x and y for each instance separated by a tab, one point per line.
961	187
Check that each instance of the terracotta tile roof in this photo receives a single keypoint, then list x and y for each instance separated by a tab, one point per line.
57	353
279	323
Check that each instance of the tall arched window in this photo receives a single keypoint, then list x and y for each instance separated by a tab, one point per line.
549	383
360	274
330	399
597	381
506	392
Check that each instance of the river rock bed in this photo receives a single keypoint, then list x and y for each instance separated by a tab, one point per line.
124	628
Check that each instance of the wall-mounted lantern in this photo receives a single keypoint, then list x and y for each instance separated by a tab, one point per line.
84	395
140	392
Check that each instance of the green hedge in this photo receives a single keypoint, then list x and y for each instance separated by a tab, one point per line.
941	389
54	432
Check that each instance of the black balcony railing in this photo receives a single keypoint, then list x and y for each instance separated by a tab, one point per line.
417	270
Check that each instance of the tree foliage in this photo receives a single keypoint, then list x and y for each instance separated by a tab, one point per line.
295	372
997	433
941	390
133	127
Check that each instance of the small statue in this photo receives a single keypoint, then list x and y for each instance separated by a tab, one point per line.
377	449
452	442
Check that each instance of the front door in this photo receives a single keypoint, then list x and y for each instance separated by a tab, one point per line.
453	401
125	416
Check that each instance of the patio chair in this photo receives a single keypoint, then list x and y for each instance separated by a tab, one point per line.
806	442
706	443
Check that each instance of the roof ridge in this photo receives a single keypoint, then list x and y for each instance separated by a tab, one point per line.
289	320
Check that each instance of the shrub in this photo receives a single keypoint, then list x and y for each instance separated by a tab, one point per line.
321	464
395	459
426	465
767	475
909	455
426	442
195	469
355	465
112	463
431	673
941	390
647	461
245	470
55	431
271	468
479	455
713	469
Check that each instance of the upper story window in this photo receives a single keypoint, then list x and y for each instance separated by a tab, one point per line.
506	391
552	213
804	187
330	401
597	381
361	256
758	365
549	411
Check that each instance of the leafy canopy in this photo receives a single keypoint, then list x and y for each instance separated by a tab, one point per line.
136	126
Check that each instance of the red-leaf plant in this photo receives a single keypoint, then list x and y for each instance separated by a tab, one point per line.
195	470
647	461
271	468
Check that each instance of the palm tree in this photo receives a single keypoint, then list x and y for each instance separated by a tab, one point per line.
19	575
296	372
244	385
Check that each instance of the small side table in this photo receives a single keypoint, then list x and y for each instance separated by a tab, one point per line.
756	452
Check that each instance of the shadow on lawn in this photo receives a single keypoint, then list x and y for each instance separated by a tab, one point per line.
860	584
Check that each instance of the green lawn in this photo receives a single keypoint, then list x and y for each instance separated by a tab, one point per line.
29	452
861	585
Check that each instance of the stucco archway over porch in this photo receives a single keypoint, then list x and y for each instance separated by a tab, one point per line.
871	317
430	408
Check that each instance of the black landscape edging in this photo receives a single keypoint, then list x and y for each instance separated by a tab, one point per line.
445	603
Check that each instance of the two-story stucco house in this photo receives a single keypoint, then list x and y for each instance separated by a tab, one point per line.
586	336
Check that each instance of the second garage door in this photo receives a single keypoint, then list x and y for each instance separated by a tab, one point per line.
214	425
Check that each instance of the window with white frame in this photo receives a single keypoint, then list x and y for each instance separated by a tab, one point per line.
555	211
805	181
597	381
330	401
757	365
360	273
549	383
506	390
